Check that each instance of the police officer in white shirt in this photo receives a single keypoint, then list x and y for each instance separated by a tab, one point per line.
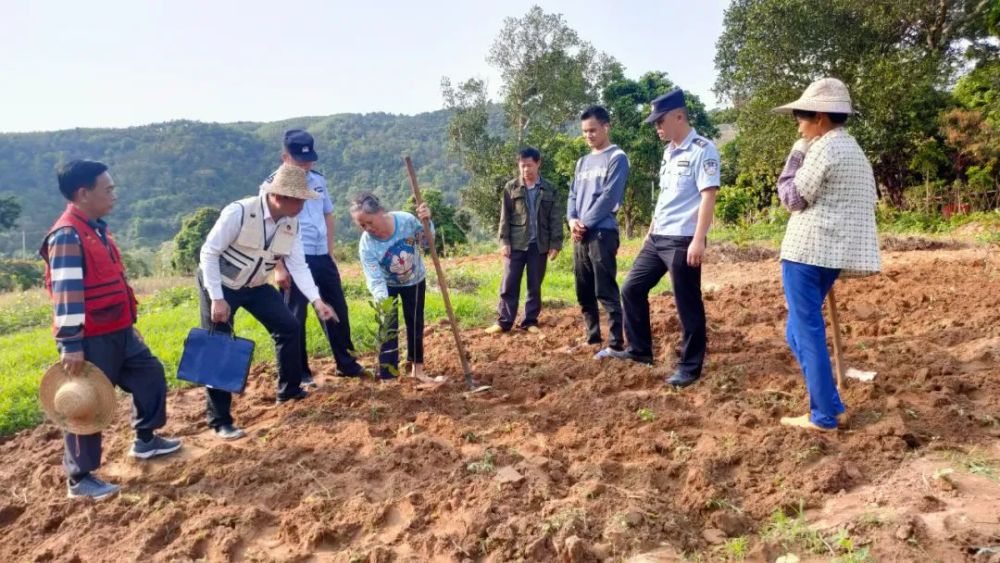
250	237
689	182
316	233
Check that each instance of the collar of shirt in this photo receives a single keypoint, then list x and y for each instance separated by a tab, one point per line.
270	224
268	219
685	143
537	184
98	225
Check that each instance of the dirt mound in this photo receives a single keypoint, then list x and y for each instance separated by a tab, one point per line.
894	243
567	459
727	253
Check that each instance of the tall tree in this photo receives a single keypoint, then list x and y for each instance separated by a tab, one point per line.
10	210
187	243
549	74
450	224
896	56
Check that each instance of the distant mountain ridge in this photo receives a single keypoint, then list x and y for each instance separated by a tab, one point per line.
167	170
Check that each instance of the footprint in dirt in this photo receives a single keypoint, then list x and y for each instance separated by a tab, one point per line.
395	519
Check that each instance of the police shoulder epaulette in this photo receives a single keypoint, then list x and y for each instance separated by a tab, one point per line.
316	172
701	142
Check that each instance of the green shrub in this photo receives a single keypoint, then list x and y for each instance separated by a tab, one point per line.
18	275
733	204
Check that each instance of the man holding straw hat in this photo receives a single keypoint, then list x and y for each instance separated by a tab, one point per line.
829	187
245	245
93	322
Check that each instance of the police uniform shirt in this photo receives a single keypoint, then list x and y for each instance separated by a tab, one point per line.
312	218
686	170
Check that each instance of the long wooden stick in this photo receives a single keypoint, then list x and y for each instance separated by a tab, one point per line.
838	350
442	281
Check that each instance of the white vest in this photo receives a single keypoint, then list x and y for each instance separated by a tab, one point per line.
250	258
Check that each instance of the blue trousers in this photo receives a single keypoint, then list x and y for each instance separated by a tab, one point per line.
805	289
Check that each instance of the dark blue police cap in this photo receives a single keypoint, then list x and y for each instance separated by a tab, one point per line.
671	100
299	145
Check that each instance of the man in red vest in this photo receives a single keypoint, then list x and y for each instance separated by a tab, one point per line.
94	317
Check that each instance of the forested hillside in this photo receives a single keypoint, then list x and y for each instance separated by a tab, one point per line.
167	170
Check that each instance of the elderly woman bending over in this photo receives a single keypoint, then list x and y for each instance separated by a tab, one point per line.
390	254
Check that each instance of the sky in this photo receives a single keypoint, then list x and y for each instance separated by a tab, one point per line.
116	63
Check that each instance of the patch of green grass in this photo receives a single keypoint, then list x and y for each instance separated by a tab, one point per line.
795	535
645	414
484	465
976	462
736	549
722	503
793	532
169	309
24	310
573	518
892	221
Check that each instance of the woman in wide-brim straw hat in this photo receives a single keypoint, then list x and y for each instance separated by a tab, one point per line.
829	187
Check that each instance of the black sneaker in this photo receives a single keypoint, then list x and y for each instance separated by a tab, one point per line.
361	371
308	381
229	432
301	394
681	380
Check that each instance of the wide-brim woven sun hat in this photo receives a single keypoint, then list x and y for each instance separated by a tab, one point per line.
826	95
82	404
291	181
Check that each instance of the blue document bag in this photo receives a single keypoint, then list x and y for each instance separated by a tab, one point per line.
216	359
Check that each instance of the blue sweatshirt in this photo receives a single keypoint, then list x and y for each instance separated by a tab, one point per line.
598	188
394	261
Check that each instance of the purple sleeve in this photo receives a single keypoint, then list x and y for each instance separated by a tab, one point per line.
787	192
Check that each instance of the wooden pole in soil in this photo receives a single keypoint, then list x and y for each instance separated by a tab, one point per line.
838	351
442	281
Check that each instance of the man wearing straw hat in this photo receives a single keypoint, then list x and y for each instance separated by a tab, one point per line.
95	313
829	187
246	243
316	233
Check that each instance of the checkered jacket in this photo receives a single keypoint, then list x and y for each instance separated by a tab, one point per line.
837	227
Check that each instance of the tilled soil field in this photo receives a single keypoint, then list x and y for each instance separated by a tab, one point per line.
571	459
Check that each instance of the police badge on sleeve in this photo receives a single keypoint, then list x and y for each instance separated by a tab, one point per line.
711	167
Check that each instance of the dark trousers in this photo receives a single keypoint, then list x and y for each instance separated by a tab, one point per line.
412	298
338	334
265	304
806	287
660	255
130	365
595	265
510	287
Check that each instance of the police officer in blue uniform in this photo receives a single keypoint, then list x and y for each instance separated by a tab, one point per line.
689	182
316	232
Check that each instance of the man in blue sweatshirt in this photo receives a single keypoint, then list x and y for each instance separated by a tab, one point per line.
595	195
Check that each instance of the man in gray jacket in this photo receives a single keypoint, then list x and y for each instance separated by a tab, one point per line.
530	232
